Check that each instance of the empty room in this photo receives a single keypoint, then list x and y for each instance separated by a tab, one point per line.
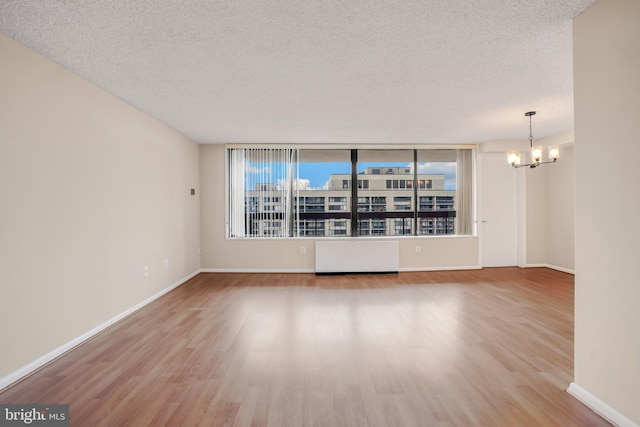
319	213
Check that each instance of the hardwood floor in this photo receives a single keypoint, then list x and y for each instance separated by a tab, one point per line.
491	347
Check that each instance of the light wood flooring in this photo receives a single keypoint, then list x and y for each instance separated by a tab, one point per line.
491	347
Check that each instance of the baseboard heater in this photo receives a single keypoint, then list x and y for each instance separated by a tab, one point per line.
356	257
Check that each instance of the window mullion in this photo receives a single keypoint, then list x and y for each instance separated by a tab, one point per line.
354	193
416	204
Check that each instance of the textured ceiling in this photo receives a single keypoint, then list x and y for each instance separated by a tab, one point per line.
305	71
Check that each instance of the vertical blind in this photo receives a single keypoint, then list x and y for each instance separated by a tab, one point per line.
261	186
464	192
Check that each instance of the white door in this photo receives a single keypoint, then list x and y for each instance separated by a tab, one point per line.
498	225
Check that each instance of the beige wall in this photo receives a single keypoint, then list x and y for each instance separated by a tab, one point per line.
536	214
550	212
91	191
284	254
560	211
607	108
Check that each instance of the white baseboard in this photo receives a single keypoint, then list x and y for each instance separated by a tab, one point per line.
257	270
310	270
599	407
448	268
22	372
553	267
564	270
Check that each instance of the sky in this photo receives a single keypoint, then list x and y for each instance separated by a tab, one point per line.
317	173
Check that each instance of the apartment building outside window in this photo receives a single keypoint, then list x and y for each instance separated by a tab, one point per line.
399	192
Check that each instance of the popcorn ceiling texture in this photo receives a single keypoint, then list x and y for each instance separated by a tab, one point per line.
285	71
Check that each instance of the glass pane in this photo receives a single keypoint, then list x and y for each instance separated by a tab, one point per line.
323	196
385	197
436	191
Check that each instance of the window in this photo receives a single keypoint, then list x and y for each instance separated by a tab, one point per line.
402	207
338	228
314	200
402	227
369	227
363	183
251	204
426	203
312	227
286	192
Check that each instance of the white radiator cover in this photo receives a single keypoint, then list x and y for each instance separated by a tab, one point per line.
357	256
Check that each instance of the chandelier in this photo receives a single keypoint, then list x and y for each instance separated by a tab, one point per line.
536	152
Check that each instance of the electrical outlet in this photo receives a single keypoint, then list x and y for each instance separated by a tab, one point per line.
199	251
166	263
418	249
146	271
303	250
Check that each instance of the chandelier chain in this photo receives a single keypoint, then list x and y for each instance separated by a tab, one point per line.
530	133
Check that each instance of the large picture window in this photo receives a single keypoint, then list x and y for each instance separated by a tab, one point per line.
299	192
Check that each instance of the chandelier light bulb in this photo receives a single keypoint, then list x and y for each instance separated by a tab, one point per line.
536	154
514	158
